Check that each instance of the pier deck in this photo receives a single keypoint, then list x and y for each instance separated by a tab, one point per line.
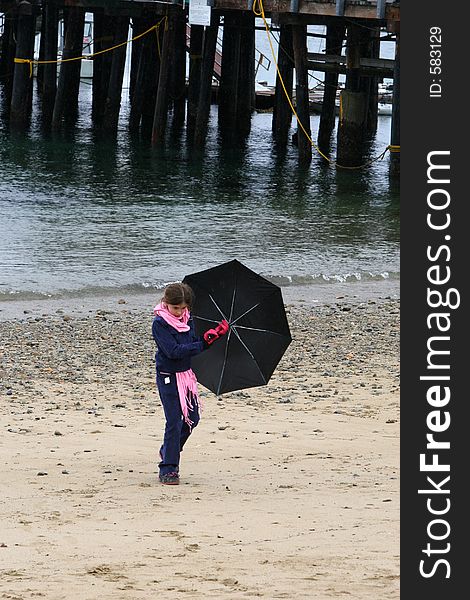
359	9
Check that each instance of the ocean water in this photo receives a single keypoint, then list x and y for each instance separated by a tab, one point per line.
81	216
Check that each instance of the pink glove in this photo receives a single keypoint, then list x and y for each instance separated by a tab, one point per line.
210	336
222	328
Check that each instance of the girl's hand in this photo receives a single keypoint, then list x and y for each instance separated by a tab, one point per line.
222	328
210	336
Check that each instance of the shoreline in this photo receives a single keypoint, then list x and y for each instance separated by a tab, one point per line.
319	294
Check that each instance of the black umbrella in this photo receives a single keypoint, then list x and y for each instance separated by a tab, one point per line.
259	333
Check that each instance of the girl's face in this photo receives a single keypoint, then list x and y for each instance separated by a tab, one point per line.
177	309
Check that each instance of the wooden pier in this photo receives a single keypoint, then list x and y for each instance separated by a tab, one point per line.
222	57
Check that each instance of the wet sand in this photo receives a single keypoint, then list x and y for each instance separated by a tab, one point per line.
287	491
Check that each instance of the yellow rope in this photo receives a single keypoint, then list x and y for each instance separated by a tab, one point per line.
26	60
259	12
88	56
158	41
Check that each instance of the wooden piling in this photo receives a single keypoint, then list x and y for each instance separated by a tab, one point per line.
141	75
97	102
351	128
353	104
354	42
195	67
49	86
153	63
77	24
66	102
41	53
373	51
8	53
334	41
103	38
230	73
246	75
113	97
395	125
161	104
282	112
178	70
299	42
5	46
138	26
362	43
21	98
207	71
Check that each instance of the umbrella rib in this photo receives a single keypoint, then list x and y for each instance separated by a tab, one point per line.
262	330
249	352
246	312
217	306
233	302
204	319
222	372
225	362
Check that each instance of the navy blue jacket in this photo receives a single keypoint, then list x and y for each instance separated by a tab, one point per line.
174	348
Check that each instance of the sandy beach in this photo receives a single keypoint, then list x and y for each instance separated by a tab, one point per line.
287	491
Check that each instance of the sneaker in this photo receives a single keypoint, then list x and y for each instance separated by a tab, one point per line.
170	478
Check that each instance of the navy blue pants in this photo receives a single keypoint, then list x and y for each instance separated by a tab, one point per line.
177	431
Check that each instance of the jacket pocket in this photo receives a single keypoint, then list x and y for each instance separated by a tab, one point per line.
165	377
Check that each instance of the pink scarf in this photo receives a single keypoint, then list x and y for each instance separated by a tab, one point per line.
178	323
186	381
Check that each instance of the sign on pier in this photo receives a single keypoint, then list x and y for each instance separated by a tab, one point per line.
199	12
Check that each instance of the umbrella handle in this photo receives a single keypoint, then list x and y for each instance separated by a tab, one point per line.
223	327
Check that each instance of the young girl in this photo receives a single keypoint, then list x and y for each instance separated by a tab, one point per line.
173	332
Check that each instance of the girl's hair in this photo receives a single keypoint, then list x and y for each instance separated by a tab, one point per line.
178	293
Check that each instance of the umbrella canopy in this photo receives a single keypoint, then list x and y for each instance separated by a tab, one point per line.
259	333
